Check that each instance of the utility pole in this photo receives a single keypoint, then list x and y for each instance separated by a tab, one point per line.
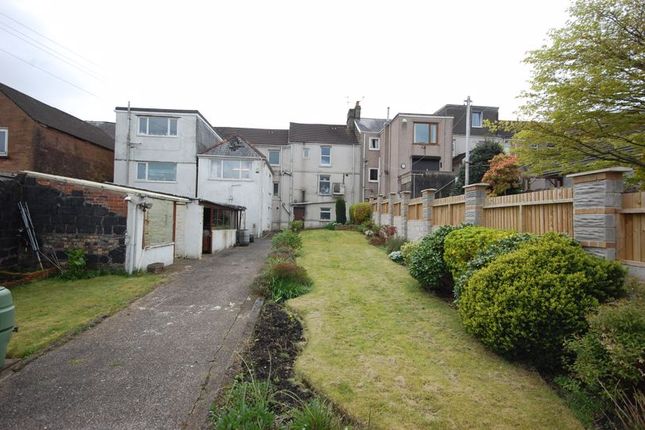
467	176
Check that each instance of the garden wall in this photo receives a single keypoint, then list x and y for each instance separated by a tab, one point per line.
10	193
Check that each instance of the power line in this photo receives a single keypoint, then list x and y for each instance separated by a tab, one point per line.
50	39
65	59
49	73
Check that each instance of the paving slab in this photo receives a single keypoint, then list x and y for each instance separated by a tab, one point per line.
155	364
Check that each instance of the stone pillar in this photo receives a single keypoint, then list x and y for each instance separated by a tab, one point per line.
379	202
427	197
597	201
390	208
405	199
475	197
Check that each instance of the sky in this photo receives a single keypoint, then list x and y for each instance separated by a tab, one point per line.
266	63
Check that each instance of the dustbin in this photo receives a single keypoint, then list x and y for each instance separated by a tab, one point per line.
7	321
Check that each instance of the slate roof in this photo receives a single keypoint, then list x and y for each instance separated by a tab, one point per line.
321	133
57	119
370	125
108	128
234	146
256	136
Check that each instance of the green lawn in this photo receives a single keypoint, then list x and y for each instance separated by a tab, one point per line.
389	353
50	309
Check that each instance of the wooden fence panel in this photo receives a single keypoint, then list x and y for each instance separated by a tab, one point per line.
384	207
397	209
415	211
448	211
631	229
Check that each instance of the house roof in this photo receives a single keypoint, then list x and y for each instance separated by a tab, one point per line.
233	146
321	133
256	136
443	109
108	128
370	125
57	119
166	111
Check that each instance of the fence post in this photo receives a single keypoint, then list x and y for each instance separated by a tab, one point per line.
405	200
390	208
379	203
427	200
475	197
597	201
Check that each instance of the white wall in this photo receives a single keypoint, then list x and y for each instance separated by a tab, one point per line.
255	193
188	230
157	254
223	239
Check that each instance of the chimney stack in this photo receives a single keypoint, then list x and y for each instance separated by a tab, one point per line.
353	114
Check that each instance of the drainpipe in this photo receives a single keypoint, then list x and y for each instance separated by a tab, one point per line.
127	148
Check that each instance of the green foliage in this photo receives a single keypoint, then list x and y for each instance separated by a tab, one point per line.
504	175
585	407
480	157
285	280
526	303
296	226
394	243
360	213
287	239
406	251
610	357
76	265
584	107
488	254
462	245
315	415
341	211
426	260
330	226
248	407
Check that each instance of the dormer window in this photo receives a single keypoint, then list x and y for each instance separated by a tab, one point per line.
157	126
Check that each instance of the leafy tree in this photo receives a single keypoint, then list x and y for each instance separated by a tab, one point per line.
480	156
341	211
586	104
504	175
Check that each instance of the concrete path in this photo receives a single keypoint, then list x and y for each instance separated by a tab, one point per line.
154	365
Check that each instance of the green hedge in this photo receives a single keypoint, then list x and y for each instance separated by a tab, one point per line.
360	213
462	245
426	260
287	239
525	304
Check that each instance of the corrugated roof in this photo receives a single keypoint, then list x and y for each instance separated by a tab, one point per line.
256	136
57	119
370	125
321	133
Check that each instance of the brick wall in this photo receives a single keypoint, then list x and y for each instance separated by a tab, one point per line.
9	222
35	147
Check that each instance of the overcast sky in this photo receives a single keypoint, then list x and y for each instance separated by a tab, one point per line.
265	63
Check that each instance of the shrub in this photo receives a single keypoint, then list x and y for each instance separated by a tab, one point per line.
610	357
315	415
341	211
406	251
426	260
488	254
387	231
526	303
284	280
248	406
360	213
396	257
330	226
504	175
76	265
376	239
296	226
287	239
290	271
462	245
394	243
282	254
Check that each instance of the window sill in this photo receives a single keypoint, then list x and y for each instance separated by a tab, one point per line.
155	182
325	165
374	149
425	144
174	136
230	179
373	182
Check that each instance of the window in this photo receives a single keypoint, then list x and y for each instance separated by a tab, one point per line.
305	153
375	143
4	141
325	155
373	175
157	171
476	119
276	188
274	157
325	214
324	185
157	126
425	133
230	169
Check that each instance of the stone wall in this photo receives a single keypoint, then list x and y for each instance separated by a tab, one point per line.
416	229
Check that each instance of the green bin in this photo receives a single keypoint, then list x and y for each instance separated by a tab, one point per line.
7	321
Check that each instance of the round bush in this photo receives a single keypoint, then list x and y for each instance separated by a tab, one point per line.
488	254
426	260
463	244
287	239
360	213
406	251
526	303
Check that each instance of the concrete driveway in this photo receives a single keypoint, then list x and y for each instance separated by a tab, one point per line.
154	365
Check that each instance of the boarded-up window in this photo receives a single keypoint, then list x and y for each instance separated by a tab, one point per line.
158	223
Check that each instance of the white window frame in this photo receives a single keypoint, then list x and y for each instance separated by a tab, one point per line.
330	185
325	210
481	119
369	174
321	156
239	169
147	163
306	153
147	132
269	156
378	143
5	152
